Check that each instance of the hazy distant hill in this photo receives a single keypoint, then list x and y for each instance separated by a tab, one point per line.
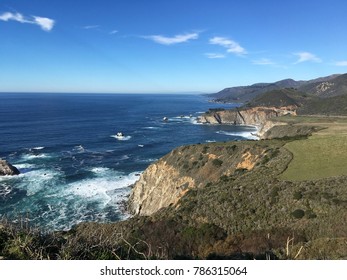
308	104
331	86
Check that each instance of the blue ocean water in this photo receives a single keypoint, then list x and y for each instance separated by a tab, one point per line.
73	168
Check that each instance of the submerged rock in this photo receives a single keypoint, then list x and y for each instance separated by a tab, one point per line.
7	168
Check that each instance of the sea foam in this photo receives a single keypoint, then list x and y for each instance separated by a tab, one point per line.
244	134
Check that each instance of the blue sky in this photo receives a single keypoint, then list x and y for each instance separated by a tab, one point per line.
167	46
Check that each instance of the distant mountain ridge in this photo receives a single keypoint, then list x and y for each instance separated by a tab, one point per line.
329	86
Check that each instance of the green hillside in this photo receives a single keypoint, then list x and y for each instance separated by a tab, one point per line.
276	98
336	105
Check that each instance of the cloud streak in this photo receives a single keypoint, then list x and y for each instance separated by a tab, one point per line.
91	27
214	55
263	61
307	57
230	45
46	24
341	63
180	38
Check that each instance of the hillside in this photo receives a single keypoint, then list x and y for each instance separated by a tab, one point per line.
337	85
305	104
246	93
336	105
327	88
277	98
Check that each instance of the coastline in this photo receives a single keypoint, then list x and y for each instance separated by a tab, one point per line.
221	184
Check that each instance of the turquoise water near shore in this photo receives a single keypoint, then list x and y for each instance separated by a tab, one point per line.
73	168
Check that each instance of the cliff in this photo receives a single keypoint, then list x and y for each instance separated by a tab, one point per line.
191	167
255	116
7	169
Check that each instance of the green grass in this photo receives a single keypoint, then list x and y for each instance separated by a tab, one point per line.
320	156
310	119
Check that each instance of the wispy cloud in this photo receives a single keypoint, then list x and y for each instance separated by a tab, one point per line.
113	32
91	27
263	61
214	55
180	38
230	45
306	57
46	24
341	63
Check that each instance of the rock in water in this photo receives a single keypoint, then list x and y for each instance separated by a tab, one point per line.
7	169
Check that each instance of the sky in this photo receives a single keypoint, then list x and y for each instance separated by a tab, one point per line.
160	46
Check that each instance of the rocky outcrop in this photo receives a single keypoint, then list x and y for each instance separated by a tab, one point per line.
166	181
7	169
159	186
255	116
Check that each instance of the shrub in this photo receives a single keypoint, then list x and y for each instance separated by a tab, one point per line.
217	162
310	214
205	149
265	160
298	213
224	178
297	195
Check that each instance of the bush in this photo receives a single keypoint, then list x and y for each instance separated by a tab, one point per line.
217	162
298	213
310	214
205	149
297	195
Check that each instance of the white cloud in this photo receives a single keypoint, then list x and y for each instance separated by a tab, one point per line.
341	63
306	56
263	61
230	45
214	55
181	38
113	32
10	16
46	24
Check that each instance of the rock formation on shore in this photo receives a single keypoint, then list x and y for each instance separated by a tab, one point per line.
7	169
255	116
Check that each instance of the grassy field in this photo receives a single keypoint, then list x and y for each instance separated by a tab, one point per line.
322	155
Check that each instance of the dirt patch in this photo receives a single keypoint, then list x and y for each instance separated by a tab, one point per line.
248	161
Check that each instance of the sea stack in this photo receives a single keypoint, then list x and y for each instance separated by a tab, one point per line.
7	169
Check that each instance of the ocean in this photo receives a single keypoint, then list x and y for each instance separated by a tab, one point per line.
73	167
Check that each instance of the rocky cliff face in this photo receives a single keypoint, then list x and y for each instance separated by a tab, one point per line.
163	183
255	116
7	169
159	186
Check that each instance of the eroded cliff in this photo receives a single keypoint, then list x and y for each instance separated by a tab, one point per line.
167	180
255	116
